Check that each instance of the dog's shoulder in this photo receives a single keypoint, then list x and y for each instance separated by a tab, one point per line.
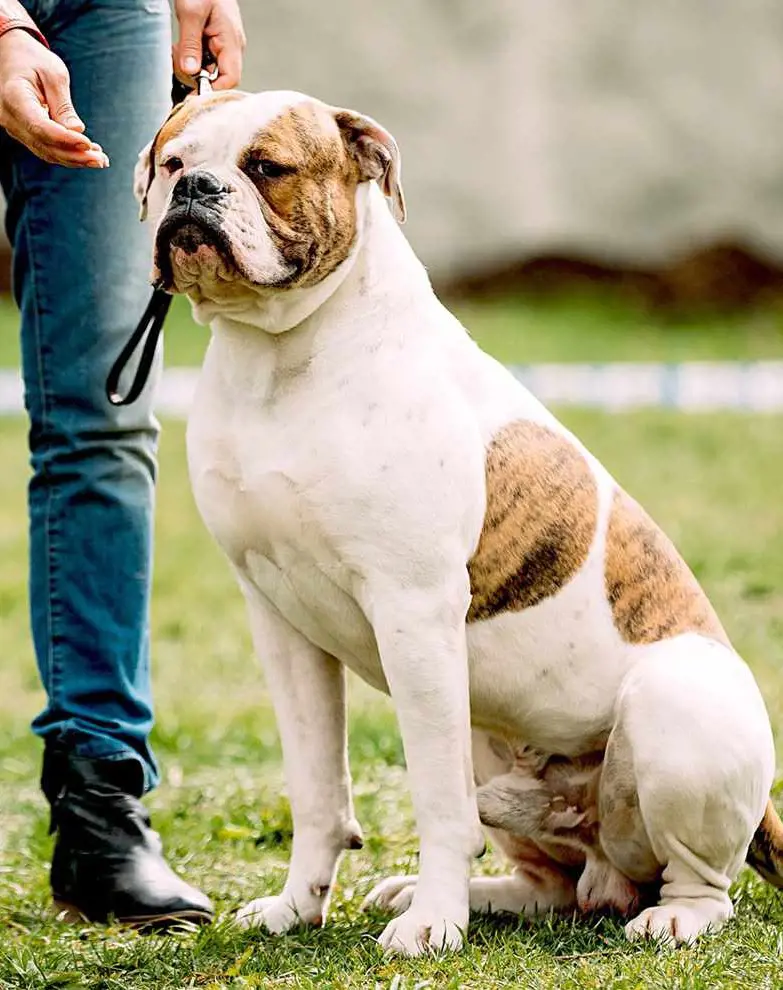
542	514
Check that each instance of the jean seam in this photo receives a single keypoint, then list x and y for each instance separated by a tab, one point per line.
52	687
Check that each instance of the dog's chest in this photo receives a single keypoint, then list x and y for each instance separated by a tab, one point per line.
271	502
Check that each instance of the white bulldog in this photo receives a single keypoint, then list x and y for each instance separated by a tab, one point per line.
393	501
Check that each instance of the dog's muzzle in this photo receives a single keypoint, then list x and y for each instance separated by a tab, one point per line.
194	218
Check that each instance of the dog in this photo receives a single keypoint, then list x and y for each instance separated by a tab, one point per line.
393	501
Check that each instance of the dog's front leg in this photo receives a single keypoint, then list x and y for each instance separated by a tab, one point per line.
307	687
422	644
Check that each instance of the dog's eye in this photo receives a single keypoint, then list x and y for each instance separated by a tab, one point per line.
172	165
271	170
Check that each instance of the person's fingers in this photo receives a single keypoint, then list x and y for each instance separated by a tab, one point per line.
29	119
228	53
57	92
74	158
45	133
192	17
69	159
183	77
49	139
54	143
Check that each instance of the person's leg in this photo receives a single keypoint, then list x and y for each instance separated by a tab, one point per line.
81	262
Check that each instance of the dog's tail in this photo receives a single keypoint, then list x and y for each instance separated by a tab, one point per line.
766	850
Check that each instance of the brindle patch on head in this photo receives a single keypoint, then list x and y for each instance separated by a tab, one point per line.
178	119
542	508
309	206
652	591
193	106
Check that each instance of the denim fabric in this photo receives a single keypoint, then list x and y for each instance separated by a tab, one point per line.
81	262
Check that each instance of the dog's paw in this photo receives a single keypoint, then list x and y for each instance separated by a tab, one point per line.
392	894
601	887
275	914
420	930
677	923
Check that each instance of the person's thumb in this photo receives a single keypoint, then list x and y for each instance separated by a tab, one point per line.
191	34
57	93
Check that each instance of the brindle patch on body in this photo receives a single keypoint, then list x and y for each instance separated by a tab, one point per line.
766	850
652	591
542	510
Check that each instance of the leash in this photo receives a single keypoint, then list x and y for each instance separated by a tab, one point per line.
150	325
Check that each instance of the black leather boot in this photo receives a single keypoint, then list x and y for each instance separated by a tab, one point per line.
108	862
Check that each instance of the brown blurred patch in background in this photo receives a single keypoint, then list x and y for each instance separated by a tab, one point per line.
630	145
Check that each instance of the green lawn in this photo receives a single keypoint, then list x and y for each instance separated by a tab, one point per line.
713	481
596	327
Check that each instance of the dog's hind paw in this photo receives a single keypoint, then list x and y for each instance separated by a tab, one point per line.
392	894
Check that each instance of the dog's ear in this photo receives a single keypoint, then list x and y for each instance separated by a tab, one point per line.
376	153
143	174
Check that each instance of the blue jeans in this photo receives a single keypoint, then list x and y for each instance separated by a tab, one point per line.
81	263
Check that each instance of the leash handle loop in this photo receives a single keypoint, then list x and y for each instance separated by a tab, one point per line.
149	327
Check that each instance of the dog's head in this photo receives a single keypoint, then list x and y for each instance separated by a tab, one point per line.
258	191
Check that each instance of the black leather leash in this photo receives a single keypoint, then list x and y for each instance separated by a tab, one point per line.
149	326
151	323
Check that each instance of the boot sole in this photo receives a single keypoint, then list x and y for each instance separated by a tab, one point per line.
70	914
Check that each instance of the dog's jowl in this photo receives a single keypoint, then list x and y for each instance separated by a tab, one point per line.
394	502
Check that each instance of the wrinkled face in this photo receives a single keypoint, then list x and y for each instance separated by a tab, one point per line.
258	191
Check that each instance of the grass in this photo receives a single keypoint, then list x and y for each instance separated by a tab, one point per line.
574	327
714	482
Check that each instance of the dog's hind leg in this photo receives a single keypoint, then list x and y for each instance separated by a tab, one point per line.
692	740
536	885
307	687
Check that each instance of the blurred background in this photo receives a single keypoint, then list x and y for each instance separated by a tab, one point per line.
587	184
561	143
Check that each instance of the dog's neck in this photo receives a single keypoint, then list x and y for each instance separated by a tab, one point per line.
380	260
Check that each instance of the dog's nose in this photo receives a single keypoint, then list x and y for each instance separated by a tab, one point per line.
197	185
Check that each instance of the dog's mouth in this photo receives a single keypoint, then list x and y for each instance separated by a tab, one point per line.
189	244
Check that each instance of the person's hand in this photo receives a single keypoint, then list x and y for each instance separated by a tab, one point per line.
212	24
36	106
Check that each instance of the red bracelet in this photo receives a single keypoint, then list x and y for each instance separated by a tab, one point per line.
23	22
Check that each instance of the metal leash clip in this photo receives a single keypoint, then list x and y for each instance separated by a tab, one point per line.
207	74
